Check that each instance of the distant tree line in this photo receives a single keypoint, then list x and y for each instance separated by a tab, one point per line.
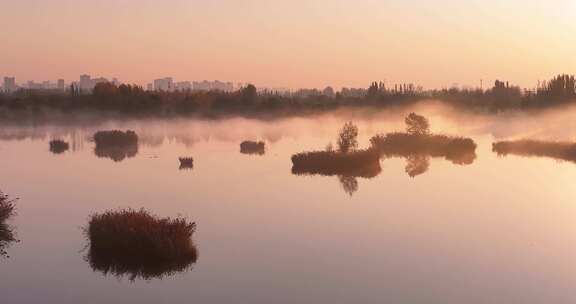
133	98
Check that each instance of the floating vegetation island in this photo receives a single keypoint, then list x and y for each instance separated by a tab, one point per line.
116	145
363	163
186	163
458	150
253	147
565	151
140	245
58	146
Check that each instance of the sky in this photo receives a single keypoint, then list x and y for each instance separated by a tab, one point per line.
291	44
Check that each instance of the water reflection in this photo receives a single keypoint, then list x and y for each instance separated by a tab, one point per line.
565	151
138	245
349	184
7	235
417	164
116	145
58	146
253	147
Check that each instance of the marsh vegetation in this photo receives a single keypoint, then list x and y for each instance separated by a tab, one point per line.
58	146
417	145
186	163
7	235
116	145
137	244
565	151
253	147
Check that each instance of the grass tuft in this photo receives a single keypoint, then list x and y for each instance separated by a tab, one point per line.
565	151
253	147
116	145
58	146
363	163
140	245
459	150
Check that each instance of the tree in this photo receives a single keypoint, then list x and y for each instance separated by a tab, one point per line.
373	90
417	124
348	138
105	90
249	94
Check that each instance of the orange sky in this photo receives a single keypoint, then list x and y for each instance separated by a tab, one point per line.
299	43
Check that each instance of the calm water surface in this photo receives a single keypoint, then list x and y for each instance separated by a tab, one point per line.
498	230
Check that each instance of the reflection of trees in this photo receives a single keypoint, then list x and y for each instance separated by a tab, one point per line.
7	236
417	165
558	150
138	245
349	184
116	145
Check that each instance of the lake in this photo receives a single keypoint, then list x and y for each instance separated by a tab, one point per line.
494	229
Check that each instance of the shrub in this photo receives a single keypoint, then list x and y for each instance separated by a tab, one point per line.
140	245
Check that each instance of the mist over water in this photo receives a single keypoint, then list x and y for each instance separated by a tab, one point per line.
423	230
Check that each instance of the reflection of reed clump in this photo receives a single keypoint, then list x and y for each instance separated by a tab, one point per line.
7	237
116	145
459	150
253	147
363	163
58	146
139	245
186	163
557	150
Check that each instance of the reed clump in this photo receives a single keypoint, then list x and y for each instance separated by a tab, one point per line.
558	150
360	163
186	163
58	146
7	207
459	150
253	147
7	235
140	245
116	145
115	138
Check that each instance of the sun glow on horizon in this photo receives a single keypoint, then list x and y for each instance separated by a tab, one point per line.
309	43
